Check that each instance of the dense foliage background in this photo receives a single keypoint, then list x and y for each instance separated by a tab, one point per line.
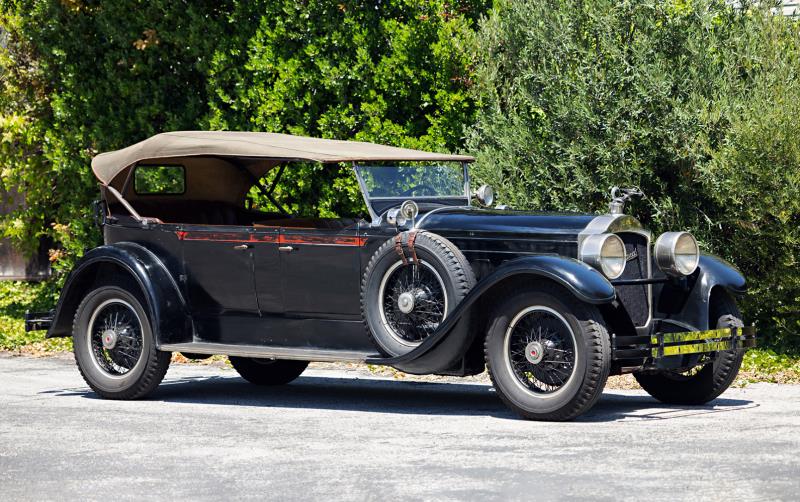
692	100
695	102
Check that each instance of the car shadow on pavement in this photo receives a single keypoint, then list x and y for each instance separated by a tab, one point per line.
615	406
399	397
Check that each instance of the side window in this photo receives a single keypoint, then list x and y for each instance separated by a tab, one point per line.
159	180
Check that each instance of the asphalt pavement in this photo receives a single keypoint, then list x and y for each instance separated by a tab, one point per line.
342	435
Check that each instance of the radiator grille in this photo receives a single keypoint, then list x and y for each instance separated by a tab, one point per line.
636	298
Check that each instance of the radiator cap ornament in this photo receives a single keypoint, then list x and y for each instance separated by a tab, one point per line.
619	196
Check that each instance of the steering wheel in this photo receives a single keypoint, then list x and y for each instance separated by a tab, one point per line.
421	188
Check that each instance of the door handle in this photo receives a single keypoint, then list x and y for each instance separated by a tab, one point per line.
286	249
241	247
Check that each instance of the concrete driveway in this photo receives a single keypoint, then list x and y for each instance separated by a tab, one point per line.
209	435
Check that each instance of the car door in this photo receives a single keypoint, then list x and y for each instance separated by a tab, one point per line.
219	269
321	271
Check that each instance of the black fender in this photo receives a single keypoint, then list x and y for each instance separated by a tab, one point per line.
692	308
439	351
165	303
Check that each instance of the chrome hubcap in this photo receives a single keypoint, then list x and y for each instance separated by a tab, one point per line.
405	302
109	339
534	352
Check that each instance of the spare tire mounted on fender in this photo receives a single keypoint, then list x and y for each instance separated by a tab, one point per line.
412	282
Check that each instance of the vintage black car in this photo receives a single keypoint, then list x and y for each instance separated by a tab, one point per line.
426	281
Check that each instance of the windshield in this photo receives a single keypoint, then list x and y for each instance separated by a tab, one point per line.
413	181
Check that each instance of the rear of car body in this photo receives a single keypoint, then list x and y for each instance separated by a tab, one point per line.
215	277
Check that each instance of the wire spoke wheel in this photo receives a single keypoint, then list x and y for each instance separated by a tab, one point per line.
115	337
413	301
540	350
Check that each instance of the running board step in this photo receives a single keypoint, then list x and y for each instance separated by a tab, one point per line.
296	353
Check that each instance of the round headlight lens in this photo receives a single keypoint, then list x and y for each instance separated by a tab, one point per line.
485	195
605	252
677	253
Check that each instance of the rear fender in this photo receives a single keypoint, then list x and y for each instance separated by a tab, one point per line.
440	351
164	301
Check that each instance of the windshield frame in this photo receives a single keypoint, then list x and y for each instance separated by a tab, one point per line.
467	196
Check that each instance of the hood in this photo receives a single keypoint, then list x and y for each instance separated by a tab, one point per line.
471	220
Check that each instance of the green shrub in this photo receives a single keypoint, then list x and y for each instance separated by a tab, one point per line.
396	73
695	102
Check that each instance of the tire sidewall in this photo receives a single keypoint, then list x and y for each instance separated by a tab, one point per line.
385	339
83	350
503	377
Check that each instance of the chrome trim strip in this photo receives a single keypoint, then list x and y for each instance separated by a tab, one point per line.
364	193
124	203
613	223
467	193
419	197
298	354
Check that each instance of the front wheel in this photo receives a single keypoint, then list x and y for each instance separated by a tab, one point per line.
267	371
705	383
114	345
548	354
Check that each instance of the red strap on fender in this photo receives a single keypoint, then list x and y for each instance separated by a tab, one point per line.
412	236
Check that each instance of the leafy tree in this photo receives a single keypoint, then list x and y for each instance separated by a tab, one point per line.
395	72
80	77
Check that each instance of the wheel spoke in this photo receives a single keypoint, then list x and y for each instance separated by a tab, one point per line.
118	319
541	351
429	304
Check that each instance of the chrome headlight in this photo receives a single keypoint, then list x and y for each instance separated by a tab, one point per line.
605	252
399	216
395	217
485	195
676	253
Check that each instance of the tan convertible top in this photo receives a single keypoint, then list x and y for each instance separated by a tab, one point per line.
277	147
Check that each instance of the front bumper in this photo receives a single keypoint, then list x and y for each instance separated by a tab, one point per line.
660	345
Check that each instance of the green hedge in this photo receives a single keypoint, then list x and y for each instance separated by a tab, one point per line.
695	102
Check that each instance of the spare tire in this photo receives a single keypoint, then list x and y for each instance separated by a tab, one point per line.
412	282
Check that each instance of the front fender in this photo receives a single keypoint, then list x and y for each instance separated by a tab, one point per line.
164	301
439	351
692	308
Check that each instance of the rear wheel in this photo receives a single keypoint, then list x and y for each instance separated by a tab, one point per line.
548	354
267	371
705	383
114	345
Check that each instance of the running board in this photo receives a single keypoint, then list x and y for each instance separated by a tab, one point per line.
295	353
